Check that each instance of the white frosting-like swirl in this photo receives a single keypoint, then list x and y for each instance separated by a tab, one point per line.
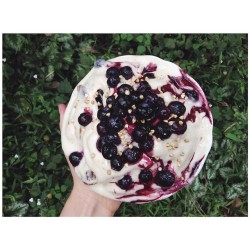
184	153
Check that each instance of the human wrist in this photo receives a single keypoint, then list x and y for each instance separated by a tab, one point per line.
81	203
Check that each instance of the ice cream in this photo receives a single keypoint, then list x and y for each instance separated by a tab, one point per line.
137	129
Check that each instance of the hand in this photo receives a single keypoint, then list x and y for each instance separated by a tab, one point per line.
82	200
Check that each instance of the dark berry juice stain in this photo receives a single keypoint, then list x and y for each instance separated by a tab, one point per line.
151	67
196	166
114	64
194	169
192	116
193	92
169	88
88	111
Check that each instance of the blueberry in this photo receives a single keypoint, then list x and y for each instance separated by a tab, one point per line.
99	63
117	163
112	71
145	176
192	95
119	112
177	108
110	100
139	134
146	127
100	143
115	123
84	119
135	98
99	98
113	81
102	113
126	72
125	89
164	178
124	101
112	138
101	128
161	102
162	130
163	113
179	127
75	158
147	145
145	111
132	155
151	98
125	183
131	119
144	87
149	75
109	151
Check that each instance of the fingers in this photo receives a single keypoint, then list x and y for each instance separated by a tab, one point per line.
61	109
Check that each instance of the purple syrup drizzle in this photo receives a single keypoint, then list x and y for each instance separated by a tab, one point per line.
191	116
169	88
88	111
114	64
149	68
196	166
184	82
147	187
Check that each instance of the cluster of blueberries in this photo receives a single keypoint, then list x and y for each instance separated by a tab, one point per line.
150	117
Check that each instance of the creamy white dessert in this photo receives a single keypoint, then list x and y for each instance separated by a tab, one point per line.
137	129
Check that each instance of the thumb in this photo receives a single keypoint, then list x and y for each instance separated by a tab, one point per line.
61	109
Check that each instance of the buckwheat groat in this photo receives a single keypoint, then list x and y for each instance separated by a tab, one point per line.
137	129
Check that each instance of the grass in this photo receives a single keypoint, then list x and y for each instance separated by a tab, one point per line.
40	71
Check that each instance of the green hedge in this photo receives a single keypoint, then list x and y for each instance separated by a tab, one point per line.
41	70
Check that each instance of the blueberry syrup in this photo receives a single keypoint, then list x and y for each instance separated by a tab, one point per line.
196	166
149	68
88	111
192	116
130	128
184	82
114	64
186	170
169	88
193	170
147	189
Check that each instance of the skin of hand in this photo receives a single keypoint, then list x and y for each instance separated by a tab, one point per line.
82	200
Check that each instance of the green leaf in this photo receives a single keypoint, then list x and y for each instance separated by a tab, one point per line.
33	157
63	188
65	87
57	158
233	137
169	43
196	46
64	37
16	209
141	50
216	113
139	39
236	190
35	191
58	196
225	172
211	174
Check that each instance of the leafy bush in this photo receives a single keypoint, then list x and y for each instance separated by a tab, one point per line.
40	71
